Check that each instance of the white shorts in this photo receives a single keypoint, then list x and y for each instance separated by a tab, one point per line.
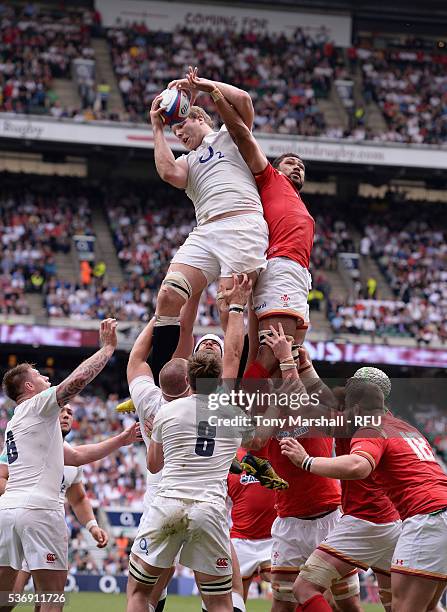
421	549
282	289
252	554
37	536
230	245
294	540
197	529
363	544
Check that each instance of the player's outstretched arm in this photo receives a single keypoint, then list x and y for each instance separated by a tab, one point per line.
91	367
239	129
137	364
170	170
81	506
345	467
155	457
236	298
87	453
238	98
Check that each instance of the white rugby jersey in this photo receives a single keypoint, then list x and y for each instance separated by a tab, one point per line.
197	456
72	475
34	446
219	180
147	399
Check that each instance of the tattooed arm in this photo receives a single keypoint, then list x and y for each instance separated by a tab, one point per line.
91	367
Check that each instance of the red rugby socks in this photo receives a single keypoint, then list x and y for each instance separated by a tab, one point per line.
317	603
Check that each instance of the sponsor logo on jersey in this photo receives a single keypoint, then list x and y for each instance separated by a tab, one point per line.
51	557
399	562
247	479
263	305
275	558
296	432
285	300
222	562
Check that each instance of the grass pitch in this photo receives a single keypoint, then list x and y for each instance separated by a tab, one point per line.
89	602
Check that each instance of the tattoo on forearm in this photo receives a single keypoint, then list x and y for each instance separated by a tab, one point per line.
85	373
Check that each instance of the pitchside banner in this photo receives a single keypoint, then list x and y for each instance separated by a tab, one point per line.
318	149
168	16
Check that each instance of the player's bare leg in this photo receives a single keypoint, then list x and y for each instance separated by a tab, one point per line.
253	334
162	582
384	583
139	592
214	602
49	581
7	579
188	316
265	356
180	284
226	282
413	593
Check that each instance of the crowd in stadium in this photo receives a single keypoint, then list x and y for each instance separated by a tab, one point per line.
36	47
285	78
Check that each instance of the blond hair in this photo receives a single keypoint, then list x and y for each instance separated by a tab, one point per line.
196	112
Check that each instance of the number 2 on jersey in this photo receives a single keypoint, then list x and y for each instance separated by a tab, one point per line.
205	442
11	448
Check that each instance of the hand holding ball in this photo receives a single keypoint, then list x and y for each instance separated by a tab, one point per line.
175	104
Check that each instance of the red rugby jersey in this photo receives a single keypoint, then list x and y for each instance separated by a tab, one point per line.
308	494
291	227
253	509
364	499
404	465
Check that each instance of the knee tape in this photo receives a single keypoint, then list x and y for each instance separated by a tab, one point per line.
140	574
349	586
221	586
319	571
179	283
283	590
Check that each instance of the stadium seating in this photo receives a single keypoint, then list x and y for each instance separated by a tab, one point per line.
37	47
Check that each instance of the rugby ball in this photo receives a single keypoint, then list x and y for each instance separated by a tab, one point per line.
175	104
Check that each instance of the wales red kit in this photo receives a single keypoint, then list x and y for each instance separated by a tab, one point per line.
308	494
364	499
253	509
291	227
404	465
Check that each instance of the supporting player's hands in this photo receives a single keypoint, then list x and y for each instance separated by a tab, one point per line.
107	333
239	292
101	536
131	435
293	450
280	344
155	113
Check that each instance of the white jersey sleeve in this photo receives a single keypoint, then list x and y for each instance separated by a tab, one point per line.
72	475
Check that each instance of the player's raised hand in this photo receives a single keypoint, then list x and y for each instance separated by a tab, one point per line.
131	435
155	112
101	536
280	344
239	292
197	83
107	333
293	450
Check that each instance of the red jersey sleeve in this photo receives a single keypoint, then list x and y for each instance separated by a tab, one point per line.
370	448
265	176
